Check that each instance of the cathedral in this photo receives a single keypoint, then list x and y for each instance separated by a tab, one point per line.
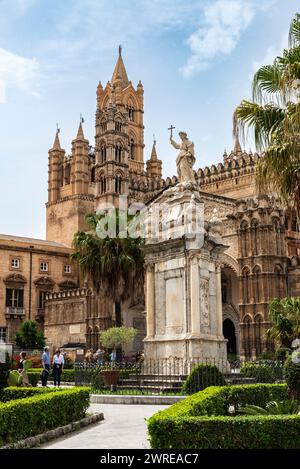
262	260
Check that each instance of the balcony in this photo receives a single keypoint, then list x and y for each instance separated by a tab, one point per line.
12	312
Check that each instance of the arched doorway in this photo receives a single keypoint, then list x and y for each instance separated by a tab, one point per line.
230	335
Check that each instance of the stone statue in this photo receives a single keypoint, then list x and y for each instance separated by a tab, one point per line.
185	159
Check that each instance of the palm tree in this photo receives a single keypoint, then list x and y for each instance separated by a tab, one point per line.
274	116
114	265
284	315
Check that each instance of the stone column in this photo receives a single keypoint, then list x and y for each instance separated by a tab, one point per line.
194	279
150	301
219	312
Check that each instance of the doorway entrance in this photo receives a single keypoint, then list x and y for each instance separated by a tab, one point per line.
229	334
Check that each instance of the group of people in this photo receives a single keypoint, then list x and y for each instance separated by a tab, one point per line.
58	362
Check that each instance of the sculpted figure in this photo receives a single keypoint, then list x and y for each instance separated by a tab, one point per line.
185	159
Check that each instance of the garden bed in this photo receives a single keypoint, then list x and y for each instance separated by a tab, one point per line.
43	410
202	421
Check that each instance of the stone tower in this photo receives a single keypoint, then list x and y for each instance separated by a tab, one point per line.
263	267
70	191
119	135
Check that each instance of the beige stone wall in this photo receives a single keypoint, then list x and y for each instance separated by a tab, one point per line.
66	217
30	259
65	318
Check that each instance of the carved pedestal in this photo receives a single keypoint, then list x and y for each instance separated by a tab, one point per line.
183	297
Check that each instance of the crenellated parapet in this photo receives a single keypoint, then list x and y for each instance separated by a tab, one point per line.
234	177
76	293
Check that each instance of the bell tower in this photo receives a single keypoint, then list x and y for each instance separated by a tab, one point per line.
119	135
70	189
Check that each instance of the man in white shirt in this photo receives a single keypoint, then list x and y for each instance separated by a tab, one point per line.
58	365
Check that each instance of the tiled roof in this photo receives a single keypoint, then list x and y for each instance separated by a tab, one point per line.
21	239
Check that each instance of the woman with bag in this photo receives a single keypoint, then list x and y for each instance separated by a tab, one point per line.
58	365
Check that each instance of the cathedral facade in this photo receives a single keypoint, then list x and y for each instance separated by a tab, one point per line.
261	262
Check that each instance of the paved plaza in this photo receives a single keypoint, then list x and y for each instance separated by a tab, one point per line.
124	427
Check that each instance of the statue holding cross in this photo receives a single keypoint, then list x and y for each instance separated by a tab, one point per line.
186	157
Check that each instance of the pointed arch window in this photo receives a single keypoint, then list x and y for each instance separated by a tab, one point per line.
103	126
132	149
246	285
244	238
118	184
254	240
279	283
118	152
257	284
67	174
93	174
118	126
102	185
103	153
131	112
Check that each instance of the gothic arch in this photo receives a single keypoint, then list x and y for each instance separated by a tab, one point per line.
231	314
230	262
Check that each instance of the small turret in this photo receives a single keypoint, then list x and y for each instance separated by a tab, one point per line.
154	165
80	162
56	156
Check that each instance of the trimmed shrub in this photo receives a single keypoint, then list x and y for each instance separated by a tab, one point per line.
30	416
16	392
202	376
67	375
204	421
292	377
261	432
266	371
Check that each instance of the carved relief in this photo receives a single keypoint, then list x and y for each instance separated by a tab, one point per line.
204	302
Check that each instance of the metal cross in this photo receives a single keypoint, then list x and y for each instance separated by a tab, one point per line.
57	128
171	129
81	118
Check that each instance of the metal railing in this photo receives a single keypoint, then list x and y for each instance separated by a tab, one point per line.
167	376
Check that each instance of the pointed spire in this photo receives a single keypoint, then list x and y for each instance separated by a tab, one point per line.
153	156
80	134
120	71
237	146
56	144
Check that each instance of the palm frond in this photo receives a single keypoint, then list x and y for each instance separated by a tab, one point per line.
294	33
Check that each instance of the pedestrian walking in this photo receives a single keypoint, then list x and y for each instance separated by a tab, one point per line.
46	366
22	369
58	365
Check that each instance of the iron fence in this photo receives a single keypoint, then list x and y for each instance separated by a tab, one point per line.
174	375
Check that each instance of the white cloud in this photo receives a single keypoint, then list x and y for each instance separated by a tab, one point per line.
17	71
224	22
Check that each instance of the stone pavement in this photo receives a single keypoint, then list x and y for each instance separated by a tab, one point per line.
124	427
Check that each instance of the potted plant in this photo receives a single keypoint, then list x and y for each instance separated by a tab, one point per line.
111	339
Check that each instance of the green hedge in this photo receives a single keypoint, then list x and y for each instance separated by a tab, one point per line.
202	421
202	376
17	392
265	371
261	432
30	416
67	375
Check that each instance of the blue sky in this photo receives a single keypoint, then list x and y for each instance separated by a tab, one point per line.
195	58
